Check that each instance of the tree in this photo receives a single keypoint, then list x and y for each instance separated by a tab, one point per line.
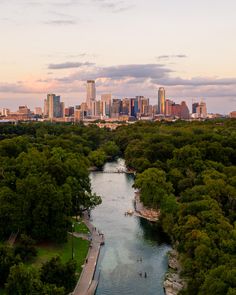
153	187
59	274
7	260
23	281
97	158
25	248
219	281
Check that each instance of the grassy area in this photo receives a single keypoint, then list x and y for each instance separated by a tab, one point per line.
80	227
47	251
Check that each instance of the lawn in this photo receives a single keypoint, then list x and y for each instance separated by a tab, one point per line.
46	251
80	227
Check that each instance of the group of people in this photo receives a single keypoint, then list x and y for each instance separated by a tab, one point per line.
144	275
141	274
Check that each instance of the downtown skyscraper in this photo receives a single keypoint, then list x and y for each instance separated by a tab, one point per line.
91	93
161	100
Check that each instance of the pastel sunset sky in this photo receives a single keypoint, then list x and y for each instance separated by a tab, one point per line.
129	47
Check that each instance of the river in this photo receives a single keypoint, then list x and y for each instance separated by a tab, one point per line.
127	239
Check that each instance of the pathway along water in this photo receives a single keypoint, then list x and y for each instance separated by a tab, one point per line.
127	239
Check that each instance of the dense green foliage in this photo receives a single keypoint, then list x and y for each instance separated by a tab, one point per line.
44	176
44	181
188	170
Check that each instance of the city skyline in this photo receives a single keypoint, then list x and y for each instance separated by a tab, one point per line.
128	47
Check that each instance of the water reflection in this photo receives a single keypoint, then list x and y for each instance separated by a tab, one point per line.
132	245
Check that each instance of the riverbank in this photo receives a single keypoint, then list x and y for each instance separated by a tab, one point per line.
144	212
173	283
87	284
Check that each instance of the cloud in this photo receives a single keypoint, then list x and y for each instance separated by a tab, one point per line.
19	87
68	65
195	81
120	72
61	22
115	6
174	56
148	74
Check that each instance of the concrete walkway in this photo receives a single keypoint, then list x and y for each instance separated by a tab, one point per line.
86	284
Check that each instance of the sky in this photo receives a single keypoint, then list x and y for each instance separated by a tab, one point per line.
130	47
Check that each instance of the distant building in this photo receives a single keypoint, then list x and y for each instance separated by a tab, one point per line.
143	104
69	112
91	92
184	110
199	110
194	107
45	108
176	110
62	109
5	112
23	110
116	108
233	115
168	107
161	100
105	105
125	105
53	107
133	107
38	111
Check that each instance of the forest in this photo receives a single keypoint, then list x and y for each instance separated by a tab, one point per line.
44	181
188	170
185	169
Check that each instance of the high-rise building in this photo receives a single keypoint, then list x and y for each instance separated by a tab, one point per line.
161	100
133	107
45	108
143	104
125	106
62	109
199	110
54	106
91	92
194	107
106	105
168	107
116	108
202	110
184	110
